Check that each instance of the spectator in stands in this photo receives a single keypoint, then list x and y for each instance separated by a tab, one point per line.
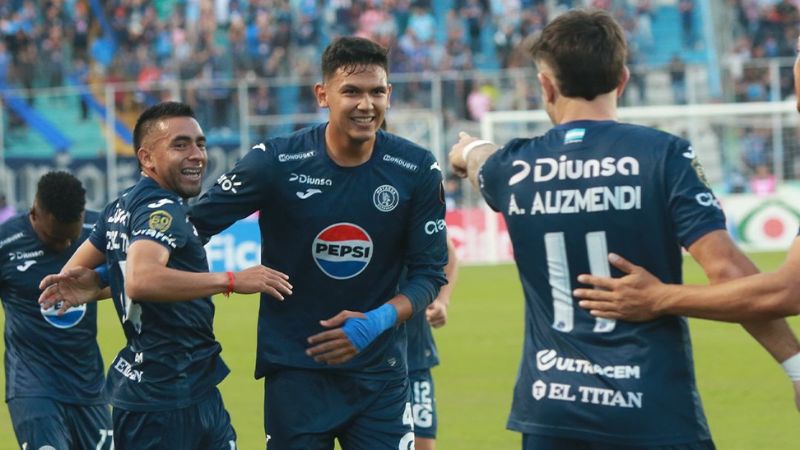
677	77
763	182
6	211
686	9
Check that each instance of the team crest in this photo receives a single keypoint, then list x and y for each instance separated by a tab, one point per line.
69	319
385	198
160	220
342	250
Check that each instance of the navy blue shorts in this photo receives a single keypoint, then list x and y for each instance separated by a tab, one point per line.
41	422
308	409
205	425
423	403
536	442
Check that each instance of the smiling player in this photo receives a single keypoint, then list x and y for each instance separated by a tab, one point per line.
343	209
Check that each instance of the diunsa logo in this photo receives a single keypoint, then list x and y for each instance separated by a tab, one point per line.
342	250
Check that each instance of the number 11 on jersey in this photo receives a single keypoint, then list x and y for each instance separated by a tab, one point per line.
560	277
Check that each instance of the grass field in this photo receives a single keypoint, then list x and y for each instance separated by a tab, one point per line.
747	397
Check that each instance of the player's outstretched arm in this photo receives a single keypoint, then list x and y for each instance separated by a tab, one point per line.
76	284
468	155
640	296
147	278
436	313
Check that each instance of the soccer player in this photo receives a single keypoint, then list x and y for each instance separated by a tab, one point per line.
54	392
588	185
162	384
423	355
344	208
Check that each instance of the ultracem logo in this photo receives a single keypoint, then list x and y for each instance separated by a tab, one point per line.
342	250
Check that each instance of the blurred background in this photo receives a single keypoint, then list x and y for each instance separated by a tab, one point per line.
75	74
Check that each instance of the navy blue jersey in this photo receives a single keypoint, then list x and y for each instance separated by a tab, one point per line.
171	358
342	234
422	353
570	197
37	361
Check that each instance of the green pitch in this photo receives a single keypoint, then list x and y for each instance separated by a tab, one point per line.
747	397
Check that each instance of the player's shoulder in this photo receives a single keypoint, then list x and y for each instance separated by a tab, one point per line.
404	154
653	138
149	194
297	146
13	230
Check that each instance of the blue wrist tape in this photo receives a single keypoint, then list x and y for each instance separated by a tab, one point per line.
102	272
362	332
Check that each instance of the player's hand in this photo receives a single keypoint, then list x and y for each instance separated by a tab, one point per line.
262	279
72	287
456	154
332	346
632	297
436	313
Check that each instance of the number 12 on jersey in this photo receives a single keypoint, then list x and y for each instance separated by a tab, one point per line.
560	277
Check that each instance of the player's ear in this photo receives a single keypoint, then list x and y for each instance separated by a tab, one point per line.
548	87
626	75
145	158
321	94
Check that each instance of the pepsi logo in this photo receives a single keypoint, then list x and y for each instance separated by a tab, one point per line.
342	250
69	319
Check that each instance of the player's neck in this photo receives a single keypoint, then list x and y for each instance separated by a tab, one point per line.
345	151
570	109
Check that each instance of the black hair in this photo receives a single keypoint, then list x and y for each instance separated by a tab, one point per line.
62	195
153	114
352	54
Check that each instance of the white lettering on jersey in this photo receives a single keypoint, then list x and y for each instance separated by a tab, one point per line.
11	239
125	368
434	226
547	169
308	179
548	359
586	394
689	153
25	255
572	201
284	157
707	199
401	162
120	216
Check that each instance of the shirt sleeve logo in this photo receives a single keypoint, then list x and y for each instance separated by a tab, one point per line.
159	220
385	198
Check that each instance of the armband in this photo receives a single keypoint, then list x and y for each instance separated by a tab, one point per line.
362	331
472	146
792	367
102	272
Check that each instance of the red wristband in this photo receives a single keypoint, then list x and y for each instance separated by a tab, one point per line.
231	281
